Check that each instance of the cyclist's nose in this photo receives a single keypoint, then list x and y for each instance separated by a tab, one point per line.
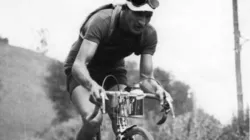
142	21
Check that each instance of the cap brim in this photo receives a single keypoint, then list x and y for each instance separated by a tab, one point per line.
144	7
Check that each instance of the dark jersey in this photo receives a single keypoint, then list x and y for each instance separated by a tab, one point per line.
112	50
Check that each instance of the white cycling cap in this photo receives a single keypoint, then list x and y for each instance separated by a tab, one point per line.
144	7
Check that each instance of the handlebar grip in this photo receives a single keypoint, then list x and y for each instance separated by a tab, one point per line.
92	99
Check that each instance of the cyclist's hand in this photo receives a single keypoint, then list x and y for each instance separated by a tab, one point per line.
164	96
97	92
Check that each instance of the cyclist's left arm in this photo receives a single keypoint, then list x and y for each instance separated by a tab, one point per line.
148	84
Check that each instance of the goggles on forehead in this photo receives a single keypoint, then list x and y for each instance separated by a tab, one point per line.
152	3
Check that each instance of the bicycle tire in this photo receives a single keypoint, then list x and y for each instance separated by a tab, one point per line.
138	131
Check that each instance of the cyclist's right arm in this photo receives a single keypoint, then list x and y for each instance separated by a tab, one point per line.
94	31
80	71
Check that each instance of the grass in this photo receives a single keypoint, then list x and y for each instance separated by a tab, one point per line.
24	106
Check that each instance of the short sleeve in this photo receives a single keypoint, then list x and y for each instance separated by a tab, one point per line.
95	29
149	41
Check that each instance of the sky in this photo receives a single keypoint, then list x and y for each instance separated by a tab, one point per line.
195	41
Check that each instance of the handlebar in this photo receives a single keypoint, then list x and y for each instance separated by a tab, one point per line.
129	94
133	94
166	107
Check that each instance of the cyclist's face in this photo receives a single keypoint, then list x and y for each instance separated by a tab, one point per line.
138	20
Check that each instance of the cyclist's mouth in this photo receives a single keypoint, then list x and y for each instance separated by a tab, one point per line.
139	28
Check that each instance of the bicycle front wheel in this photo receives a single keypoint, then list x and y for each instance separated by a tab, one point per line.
138	133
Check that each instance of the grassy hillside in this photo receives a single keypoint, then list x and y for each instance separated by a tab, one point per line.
35	106
24	105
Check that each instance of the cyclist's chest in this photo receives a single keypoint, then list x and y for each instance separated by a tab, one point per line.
120	44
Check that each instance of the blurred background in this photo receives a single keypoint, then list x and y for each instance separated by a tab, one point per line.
194	61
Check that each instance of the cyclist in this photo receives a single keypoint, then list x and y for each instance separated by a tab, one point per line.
92	58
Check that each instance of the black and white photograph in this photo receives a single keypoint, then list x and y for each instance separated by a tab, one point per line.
124	69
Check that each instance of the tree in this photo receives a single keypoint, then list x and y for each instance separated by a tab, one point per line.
4	40
43	43
231	131
56	91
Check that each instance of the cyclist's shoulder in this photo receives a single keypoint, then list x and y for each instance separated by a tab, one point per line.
149	34
104	14
100	20
149	30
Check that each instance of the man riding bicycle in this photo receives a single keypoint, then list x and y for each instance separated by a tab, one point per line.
97	54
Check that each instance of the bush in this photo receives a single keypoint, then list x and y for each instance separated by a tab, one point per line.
189	126
4	40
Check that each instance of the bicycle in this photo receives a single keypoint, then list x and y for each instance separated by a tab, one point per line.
130	104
